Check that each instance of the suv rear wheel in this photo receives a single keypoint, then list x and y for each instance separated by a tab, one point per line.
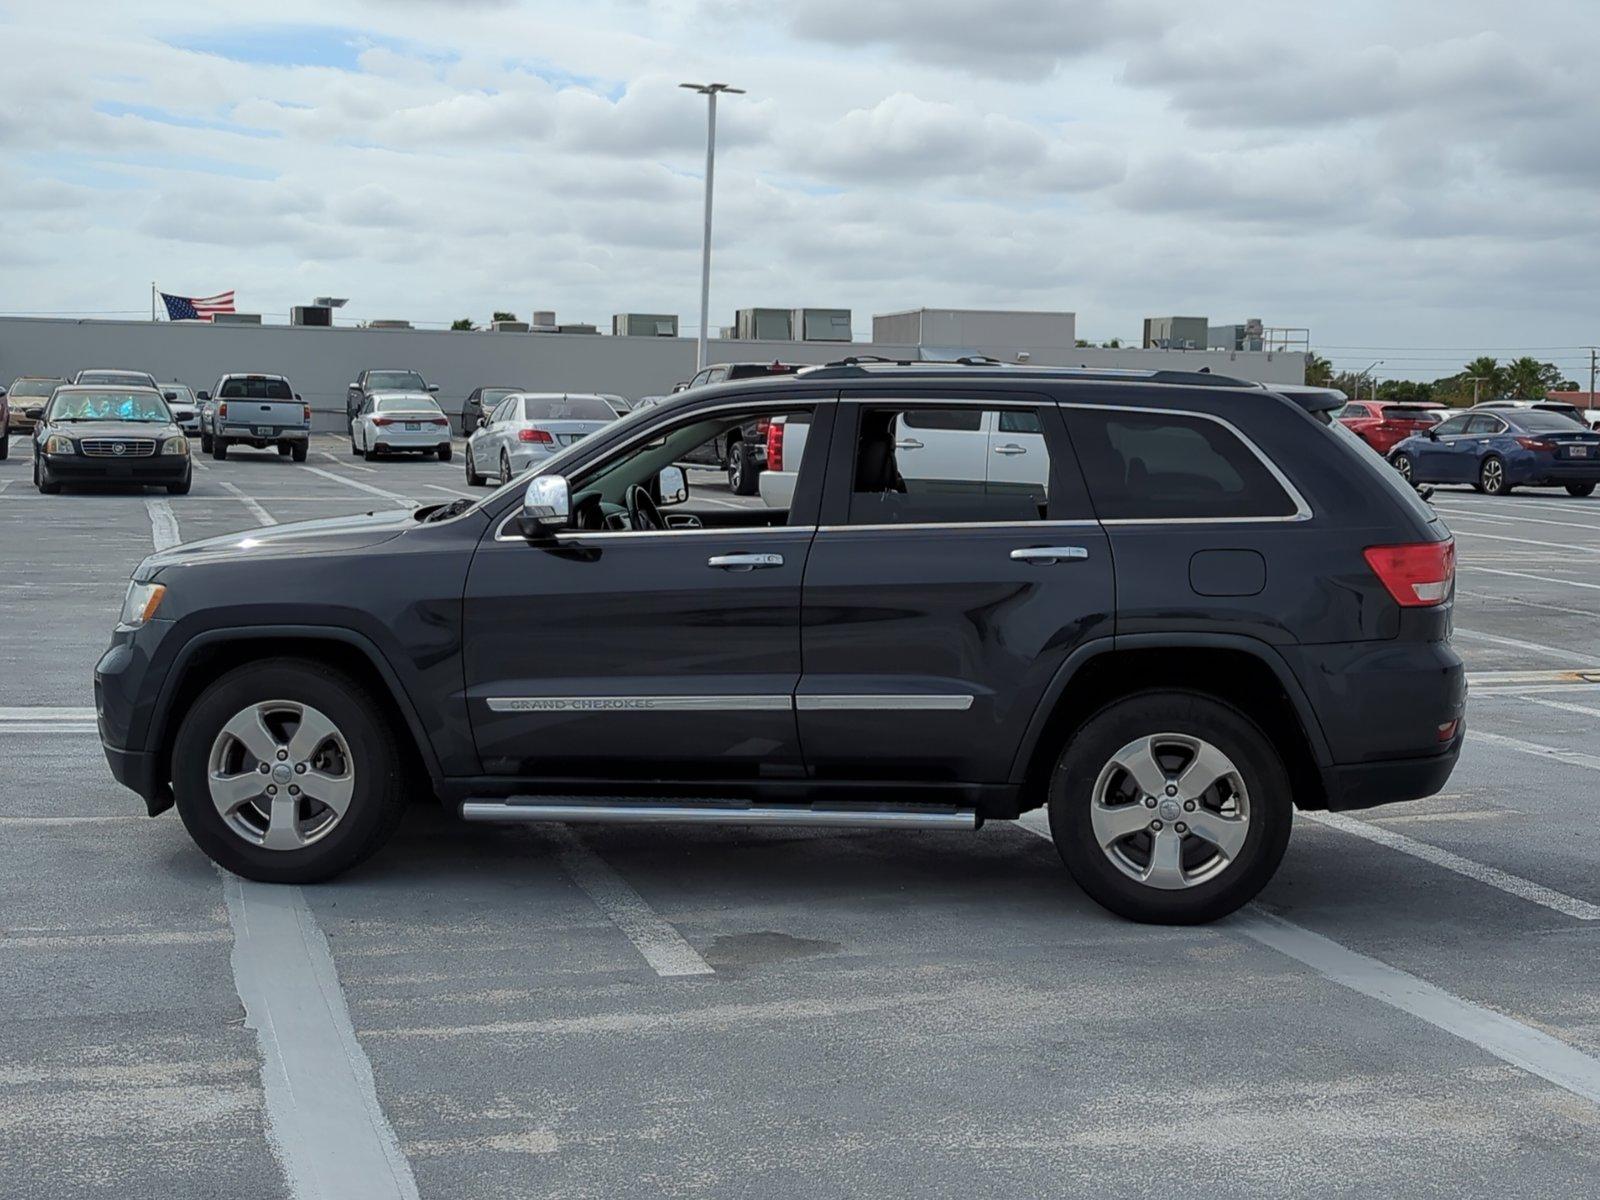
742	468
1170	807
286	771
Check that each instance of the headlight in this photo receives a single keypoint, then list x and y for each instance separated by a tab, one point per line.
175	445
140	604
58	444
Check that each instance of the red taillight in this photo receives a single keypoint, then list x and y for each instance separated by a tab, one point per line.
438	420
1533	443
305	411
383	420
222	409
542	436
774	445
1419	575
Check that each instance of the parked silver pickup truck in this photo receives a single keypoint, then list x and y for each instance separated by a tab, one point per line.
254	410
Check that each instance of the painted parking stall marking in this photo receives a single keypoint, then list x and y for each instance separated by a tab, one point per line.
46	719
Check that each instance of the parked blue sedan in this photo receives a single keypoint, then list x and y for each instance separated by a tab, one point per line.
1496	450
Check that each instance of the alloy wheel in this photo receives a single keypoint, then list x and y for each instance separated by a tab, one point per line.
1493	474
1403	465
280	774
1170	811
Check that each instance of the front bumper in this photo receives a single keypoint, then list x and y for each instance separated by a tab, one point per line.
126	682
154	468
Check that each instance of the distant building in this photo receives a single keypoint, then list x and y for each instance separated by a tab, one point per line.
1235	337
970	329
1176	333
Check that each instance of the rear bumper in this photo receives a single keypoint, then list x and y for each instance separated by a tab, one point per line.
1367	785
247	433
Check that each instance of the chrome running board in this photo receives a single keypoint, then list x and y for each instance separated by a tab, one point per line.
710	812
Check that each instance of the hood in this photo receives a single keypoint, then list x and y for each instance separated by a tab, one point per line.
115	429
324	536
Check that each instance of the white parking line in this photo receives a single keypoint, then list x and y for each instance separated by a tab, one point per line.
48	719
324	1122
1465	515
663	946
163	524
365	487
1569	547
1506	1038
1525	603
1565	706
1518	644
262	516
1515	885
1573	758
1594	587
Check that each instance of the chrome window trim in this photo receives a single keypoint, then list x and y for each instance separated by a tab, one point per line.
1302	509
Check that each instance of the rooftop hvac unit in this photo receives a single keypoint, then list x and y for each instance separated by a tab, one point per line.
311	314
389	324
544	321
644	325
236	318
764	324
580	327
822	324
510	327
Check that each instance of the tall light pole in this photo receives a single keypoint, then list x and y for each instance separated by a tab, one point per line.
1363	375
709	91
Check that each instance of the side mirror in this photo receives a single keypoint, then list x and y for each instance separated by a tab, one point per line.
672	486
33	414
678	387
433	387
169	395
483	422
546	506
297	397
203	395
1425	491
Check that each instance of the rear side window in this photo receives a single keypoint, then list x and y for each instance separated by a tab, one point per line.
1355	410
256	389
1160	466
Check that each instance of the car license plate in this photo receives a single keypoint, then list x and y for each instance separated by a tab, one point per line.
413	426
263	430
1577	452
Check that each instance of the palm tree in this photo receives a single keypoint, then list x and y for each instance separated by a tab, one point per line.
462	325
1489	375
1319	371
1526	378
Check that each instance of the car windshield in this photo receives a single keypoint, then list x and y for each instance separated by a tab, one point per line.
489	397
1544	420
397	381
567	408
34	387
180	394
110	405
253	388
404	404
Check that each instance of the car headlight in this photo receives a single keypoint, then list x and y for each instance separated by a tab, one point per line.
175	445
58	443
140	604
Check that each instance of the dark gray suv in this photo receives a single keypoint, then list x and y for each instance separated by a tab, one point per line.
1169	607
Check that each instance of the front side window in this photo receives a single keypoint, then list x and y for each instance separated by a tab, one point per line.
956	464
1484	424
1166	466
1453	426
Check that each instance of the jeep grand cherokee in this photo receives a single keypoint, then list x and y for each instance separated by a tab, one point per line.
1169	607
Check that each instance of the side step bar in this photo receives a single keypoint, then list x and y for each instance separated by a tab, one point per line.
646	812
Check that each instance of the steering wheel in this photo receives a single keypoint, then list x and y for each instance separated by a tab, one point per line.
643	515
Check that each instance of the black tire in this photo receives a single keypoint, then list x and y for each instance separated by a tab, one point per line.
298	451
219	449
505	469
378	799
47	487
742	468
1090	751
473	478
205	443
1492	476
5	443
1580	489
1403	464
283	449
444	453
355	451
181	488
368	454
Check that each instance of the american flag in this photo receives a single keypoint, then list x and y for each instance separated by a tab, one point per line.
197	308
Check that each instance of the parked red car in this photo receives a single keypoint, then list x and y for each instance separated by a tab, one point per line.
1382	426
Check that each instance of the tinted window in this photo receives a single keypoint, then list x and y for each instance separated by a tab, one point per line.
1453	425
1484	424
567	408
1018	421
490	397
1547	421
255	389
1150	466
935	466
1355	410
395	381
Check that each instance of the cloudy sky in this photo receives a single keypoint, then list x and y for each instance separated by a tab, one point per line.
1405	178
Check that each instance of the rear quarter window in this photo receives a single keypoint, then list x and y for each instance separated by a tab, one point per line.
1170	466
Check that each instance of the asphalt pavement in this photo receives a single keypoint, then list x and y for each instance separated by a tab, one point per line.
1412	1008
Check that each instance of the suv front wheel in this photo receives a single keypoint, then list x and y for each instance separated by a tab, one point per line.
1170	807
286	771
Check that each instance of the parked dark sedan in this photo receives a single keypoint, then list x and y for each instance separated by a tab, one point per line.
481	403
108	435
1497	449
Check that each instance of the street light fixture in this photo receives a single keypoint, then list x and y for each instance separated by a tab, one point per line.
709	91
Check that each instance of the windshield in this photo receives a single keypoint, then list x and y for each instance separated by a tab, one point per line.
567	408
180	394
404	404
398	381
109	405
489	397
255	389
34	387
1544	420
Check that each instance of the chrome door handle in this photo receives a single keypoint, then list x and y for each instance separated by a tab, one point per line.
1048	554
908	444
1010	448
744	562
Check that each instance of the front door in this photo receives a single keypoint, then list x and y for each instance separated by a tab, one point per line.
640	645
1439	458
939	607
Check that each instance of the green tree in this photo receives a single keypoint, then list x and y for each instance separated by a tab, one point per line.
463	324
1527	378
1490	376
503	316
1319	371
1405	391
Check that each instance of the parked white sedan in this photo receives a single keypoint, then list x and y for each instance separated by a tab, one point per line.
527	427
396	422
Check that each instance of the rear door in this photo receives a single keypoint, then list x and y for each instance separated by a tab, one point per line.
939	604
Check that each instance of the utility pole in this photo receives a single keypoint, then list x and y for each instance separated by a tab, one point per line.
709	91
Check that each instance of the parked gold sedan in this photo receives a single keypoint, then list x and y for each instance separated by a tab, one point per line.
25	392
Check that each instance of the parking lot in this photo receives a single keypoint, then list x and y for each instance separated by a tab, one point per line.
1411	1008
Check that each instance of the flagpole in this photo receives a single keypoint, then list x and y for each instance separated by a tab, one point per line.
153	316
